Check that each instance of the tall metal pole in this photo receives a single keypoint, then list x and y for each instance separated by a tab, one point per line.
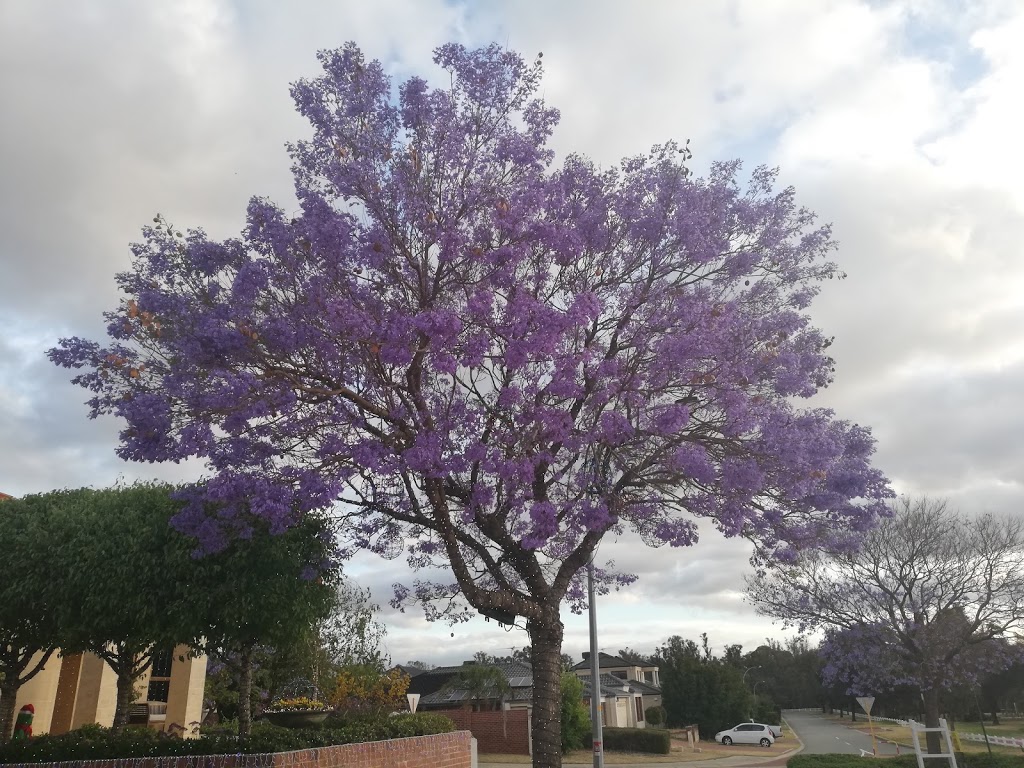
595	673
743	682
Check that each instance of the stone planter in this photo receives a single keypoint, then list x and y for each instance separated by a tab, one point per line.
297	718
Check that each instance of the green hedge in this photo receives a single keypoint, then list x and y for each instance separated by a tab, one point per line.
655	715
93	742
653	740
973	760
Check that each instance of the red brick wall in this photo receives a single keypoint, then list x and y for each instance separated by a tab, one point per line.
489	733
444	750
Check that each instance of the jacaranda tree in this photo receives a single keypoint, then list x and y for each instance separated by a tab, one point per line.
485	358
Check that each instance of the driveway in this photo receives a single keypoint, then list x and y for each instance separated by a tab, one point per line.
822	735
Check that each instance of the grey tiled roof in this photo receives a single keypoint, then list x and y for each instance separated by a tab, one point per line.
610	686
518	673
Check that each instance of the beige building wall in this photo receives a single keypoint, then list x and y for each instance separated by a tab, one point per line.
41	692
97	693
185	693
78	689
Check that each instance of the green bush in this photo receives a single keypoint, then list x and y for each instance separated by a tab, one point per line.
655	715
575	717
653	740
93	742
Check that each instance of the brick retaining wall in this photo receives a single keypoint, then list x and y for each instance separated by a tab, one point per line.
443	750
490	733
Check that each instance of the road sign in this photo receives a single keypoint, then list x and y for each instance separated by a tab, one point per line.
414	700
866	702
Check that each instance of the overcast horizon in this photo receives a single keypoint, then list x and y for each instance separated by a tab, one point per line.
894	120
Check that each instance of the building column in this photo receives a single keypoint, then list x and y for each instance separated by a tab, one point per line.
185	693
41	693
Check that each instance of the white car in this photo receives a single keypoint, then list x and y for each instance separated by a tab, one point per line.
747	733
775	729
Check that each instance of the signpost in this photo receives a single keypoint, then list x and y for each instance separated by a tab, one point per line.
865	703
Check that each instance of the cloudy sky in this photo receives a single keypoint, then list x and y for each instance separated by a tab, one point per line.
897	121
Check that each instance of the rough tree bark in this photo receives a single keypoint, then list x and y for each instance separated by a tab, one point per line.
546	719
125	694
931	719
8	694
245	694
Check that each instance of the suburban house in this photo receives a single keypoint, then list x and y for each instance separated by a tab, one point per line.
438	688
78	689
627	689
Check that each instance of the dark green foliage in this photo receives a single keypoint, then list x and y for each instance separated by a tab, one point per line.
655	715
121	581
698	688
27	624
981	760
655	741
575	717
95	742
788	673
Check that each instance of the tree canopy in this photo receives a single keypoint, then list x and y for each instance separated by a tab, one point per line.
921	602
29	631
487	359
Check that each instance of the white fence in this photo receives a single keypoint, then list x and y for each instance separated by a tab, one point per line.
1002	741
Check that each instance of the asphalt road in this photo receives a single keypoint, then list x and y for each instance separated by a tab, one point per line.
822	735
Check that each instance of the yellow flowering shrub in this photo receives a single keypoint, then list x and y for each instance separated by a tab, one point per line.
300	703
363	689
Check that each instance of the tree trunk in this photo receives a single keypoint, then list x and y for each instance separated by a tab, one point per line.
125	694
853	709
546	718
245	694
995	715
8	698
931	719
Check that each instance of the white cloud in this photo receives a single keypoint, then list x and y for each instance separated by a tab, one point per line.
896	120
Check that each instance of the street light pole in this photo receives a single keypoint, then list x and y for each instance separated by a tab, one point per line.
756	683
743	682
744	678
595	672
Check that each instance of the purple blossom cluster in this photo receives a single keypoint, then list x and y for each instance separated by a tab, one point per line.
484	359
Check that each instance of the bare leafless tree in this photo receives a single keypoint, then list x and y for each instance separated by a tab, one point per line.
928	584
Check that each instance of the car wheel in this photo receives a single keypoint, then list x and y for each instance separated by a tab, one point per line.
766	742
726	740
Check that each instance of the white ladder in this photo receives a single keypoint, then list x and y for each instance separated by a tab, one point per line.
916	729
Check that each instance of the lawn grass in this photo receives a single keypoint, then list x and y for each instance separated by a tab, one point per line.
902	736
681	753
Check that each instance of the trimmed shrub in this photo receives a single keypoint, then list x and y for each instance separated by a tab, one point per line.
655	715
655	741
93	742
575	717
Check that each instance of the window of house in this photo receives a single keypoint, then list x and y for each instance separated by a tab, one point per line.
160	676
639	709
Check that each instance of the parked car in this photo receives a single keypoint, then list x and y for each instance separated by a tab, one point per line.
775	729
747	733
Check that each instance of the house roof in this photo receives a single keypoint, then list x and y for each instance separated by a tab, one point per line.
5	496
409	669
431	684
611	686
645	688
607	661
